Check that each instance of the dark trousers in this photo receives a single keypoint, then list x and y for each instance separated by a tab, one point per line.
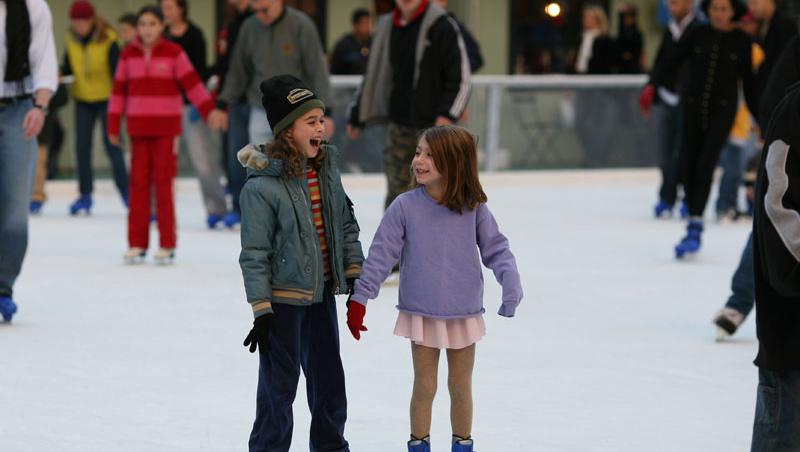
86	115
703	140
237	137
743	290
304	337
776	427
669	129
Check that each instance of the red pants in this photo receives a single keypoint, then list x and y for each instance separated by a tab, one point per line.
153	165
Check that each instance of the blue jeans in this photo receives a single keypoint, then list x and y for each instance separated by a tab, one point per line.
258	126
238	119
17	163
304	337
732	165
86	115
669	130
776	427
743	285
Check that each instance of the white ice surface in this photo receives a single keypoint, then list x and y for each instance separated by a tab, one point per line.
612	348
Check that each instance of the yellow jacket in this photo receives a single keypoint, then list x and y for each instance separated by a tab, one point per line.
91	66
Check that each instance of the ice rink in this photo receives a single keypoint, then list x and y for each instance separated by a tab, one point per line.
612	348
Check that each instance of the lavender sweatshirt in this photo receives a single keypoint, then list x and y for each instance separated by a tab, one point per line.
440	265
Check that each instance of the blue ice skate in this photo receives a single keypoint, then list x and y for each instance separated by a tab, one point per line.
462	445
663	210
36	207
213	219
7	308
232	219
83	203
691	243
684	210
419	445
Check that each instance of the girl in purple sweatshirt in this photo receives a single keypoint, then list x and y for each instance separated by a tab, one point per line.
439	232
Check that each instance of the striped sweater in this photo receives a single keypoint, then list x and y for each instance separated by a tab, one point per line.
147	89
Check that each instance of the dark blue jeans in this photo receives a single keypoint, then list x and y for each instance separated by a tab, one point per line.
86	115
732	162
776	427
669	130
742	284
304	337
238	137
17	161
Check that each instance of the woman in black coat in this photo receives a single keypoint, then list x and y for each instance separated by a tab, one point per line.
720	57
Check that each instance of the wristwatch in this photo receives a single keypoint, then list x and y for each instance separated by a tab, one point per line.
41	107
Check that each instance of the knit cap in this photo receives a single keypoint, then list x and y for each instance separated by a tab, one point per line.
286	98
81	9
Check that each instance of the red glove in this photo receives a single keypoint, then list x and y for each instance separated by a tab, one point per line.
355	318
646	99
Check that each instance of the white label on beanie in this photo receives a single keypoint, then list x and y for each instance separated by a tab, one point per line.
298	94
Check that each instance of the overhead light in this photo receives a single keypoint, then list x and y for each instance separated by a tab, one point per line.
553	9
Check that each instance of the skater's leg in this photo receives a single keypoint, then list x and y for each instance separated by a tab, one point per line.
140	184
84	126
198	139
401	143
459	382
278	374
165	167
776	427
17	157
668	129
238	118
115	155
322	365
742	284
38	194
707	150
731	162
257	126
426	368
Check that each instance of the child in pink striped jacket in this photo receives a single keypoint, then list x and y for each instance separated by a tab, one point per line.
151	75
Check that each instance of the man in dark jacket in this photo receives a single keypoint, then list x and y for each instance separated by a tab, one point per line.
667	110
776	264
351	52
417	76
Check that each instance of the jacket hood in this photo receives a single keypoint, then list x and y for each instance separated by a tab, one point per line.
257	163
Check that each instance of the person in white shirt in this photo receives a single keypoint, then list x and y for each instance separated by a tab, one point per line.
30	76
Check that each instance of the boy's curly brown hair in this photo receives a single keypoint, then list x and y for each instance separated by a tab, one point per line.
294	162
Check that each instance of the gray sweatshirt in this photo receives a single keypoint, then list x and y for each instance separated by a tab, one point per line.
290	45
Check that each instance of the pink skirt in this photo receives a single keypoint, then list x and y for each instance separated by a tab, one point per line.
439	333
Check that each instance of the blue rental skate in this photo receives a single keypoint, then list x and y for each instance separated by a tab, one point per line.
691	243
7	308
213	219
232	219
663	210
419	445
462	445
36	207
84	203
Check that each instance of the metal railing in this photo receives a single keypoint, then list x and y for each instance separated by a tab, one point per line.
557	120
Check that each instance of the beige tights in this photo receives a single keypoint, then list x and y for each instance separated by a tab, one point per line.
459	382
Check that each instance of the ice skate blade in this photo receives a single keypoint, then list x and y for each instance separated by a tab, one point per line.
164	261
722	335
137	260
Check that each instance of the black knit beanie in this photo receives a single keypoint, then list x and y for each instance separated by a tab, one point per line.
286	98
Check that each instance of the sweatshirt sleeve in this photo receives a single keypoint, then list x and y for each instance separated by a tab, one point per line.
384	253
496	255
116	104
455	61
192	85
315	69
782	208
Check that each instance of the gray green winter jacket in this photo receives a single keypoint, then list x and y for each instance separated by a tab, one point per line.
281	258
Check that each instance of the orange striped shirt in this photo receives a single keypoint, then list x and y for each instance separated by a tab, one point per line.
319	223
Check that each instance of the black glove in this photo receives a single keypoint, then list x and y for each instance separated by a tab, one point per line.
260	334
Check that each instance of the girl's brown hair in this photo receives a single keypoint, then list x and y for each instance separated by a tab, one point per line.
455	155
294	162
